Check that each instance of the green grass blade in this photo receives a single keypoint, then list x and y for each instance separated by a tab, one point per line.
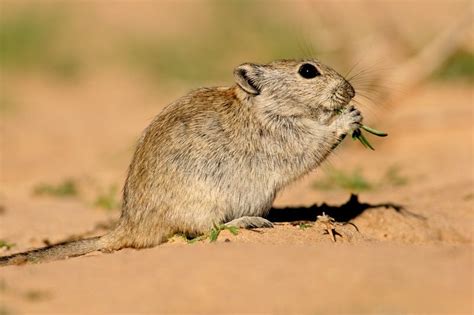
214	234
374	131
233	229
364	141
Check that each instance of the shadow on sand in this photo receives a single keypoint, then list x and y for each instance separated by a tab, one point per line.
342	213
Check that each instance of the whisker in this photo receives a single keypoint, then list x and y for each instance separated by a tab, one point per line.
365	73
353	67
374	68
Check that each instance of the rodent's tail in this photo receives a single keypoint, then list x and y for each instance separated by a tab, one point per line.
54	252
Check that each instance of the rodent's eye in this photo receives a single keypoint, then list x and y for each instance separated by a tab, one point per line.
308	71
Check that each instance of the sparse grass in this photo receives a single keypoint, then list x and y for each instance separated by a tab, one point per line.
25	39
35	295
355	181
108	200
67	188
339	179
217	229
7	104
304	226
212	235
6	245
394	178
65	66
459	66
30	40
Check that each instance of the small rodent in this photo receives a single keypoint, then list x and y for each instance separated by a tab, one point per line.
220	155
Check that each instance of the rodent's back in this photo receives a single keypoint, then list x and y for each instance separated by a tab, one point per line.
189	132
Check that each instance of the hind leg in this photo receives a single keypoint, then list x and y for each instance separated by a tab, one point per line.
247	222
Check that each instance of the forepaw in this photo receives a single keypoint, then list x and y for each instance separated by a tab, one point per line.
250	223
349	120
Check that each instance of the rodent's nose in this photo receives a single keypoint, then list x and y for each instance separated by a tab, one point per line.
349	89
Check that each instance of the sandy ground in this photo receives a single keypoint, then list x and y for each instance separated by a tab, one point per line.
416	260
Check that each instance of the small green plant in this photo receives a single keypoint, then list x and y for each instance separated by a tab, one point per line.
304	226
338	179
459	66
217	229
67	188
394	178
212	235
6	245
108	200
355	181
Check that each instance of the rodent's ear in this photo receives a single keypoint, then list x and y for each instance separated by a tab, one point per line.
246	76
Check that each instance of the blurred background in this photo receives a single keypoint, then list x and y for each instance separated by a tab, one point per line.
80	80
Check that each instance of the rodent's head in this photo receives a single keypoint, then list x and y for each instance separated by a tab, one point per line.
294	86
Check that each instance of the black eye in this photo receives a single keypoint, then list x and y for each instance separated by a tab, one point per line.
308	71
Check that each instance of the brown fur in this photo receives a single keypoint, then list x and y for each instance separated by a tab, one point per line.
220	155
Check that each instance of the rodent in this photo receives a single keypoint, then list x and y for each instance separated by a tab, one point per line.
220	155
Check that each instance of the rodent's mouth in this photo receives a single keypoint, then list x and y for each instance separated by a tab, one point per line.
339	106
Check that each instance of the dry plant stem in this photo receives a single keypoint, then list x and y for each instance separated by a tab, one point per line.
330	225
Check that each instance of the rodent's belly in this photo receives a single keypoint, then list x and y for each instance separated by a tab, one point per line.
233	198
196	203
